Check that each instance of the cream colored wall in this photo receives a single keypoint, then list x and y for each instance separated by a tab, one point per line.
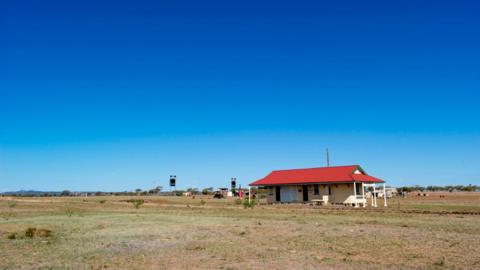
341	193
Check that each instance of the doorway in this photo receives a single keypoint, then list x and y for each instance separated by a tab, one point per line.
305	193
277	193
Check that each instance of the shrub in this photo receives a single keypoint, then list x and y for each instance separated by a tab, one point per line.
238	201
102	201
202	202
137	203
250	204
12	236
12	204
30	232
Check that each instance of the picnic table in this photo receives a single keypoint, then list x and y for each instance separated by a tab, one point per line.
318	201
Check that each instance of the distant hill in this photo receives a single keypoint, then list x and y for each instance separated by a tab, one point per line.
30	193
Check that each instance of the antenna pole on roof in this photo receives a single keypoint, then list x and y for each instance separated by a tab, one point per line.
328	158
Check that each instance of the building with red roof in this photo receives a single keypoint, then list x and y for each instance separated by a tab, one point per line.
335	185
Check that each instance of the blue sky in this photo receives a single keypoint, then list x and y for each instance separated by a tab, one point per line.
120	94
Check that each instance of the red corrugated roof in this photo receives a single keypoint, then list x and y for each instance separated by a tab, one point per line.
338	174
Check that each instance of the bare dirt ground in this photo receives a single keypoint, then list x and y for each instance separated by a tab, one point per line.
434	232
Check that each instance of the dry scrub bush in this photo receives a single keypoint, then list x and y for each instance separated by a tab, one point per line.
30	232
137	202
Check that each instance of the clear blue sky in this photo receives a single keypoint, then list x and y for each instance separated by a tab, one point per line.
120	94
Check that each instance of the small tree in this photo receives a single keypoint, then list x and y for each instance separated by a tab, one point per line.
155	190
207	191
470	188
66	193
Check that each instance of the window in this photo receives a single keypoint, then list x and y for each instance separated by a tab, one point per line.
316	190
329	189
358	189
270	191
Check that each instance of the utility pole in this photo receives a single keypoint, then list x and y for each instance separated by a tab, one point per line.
328	158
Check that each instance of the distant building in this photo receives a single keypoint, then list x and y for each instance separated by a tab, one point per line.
225	192
389	191
328	185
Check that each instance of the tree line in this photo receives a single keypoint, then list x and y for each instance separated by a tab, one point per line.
210	191
449	188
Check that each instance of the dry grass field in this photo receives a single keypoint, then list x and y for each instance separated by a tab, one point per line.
184	233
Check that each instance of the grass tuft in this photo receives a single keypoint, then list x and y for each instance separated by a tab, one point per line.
69	211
